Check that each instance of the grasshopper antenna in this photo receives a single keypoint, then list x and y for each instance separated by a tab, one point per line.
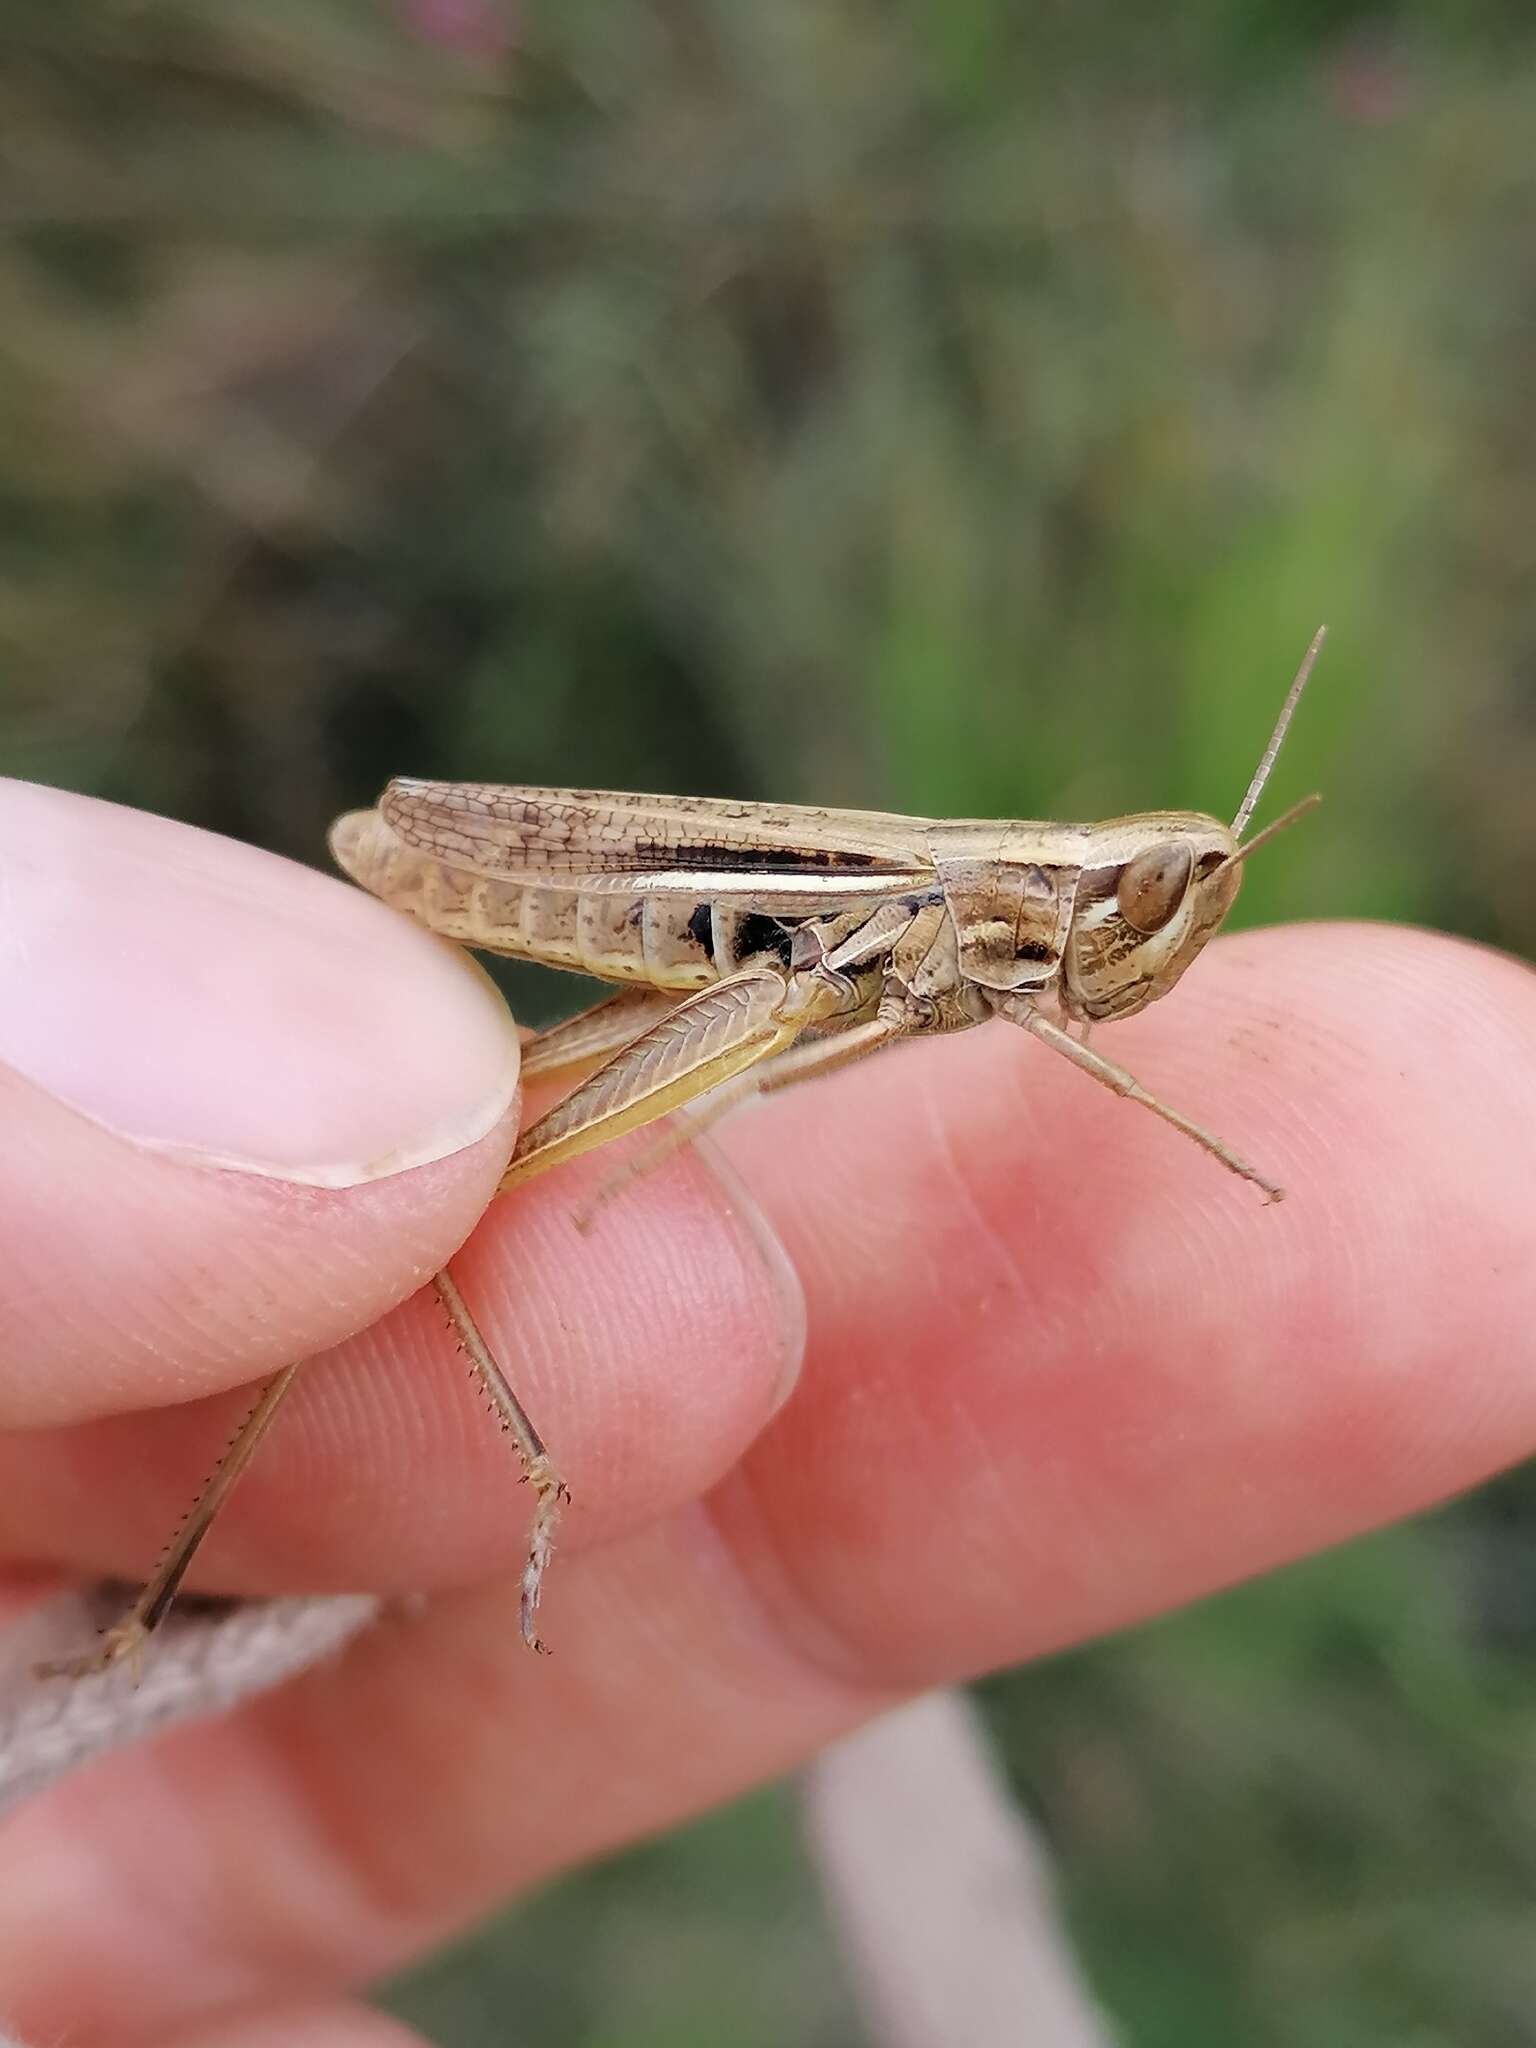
1246	808
1308	803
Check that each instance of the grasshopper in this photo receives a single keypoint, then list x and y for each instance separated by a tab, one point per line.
757	945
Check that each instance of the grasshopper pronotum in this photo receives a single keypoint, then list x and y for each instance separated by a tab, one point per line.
762	944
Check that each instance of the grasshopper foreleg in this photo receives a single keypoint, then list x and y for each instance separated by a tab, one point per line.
1023	1012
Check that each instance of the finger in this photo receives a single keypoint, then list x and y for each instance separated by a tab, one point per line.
1061	1372
1137	1380
245	1108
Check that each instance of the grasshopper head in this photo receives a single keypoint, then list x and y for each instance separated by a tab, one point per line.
1142	917
1161	886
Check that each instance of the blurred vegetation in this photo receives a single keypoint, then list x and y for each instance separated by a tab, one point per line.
962	408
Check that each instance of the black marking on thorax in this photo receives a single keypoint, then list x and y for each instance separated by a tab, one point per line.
757	936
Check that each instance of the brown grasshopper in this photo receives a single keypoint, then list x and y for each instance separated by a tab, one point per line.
762	944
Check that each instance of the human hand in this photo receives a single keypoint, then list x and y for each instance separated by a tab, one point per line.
1060	1372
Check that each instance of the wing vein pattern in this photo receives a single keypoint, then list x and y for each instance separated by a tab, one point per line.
524	830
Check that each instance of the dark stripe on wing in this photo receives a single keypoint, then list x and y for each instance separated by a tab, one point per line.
758	860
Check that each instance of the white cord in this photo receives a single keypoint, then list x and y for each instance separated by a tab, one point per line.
197	1663
941	1893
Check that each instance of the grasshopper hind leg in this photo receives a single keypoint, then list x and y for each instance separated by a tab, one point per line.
549	1489
685	1048
668	1052
125	1641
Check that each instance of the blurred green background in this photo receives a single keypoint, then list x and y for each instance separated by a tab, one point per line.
962	408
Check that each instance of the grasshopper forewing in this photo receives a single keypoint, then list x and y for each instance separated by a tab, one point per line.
755	945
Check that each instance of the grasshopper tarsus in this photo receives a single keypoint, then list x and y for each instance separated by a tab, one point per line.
124	1644
552	1495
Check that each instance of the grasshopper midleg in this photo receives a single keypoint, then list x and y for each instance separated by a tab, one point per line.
1115	1077
801	1062
756	945
707	1040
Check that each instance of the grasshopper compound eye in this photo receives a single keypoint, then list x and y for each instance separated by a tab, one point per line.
1152	886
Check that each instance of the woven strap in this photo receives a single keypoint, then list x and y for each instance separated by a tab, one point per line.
199	1663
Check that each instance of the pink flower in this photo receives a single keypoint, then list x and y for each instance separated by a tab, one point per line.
474	28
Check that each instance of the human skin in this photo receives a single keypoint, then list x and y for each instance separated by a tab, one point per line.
1056	1371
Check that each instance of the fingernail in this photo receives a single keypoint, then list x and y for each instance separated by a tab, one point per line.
204	999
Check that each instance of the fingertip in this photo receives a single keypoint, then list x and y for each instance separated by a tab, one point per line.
246	1107
210	1002
146	1280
